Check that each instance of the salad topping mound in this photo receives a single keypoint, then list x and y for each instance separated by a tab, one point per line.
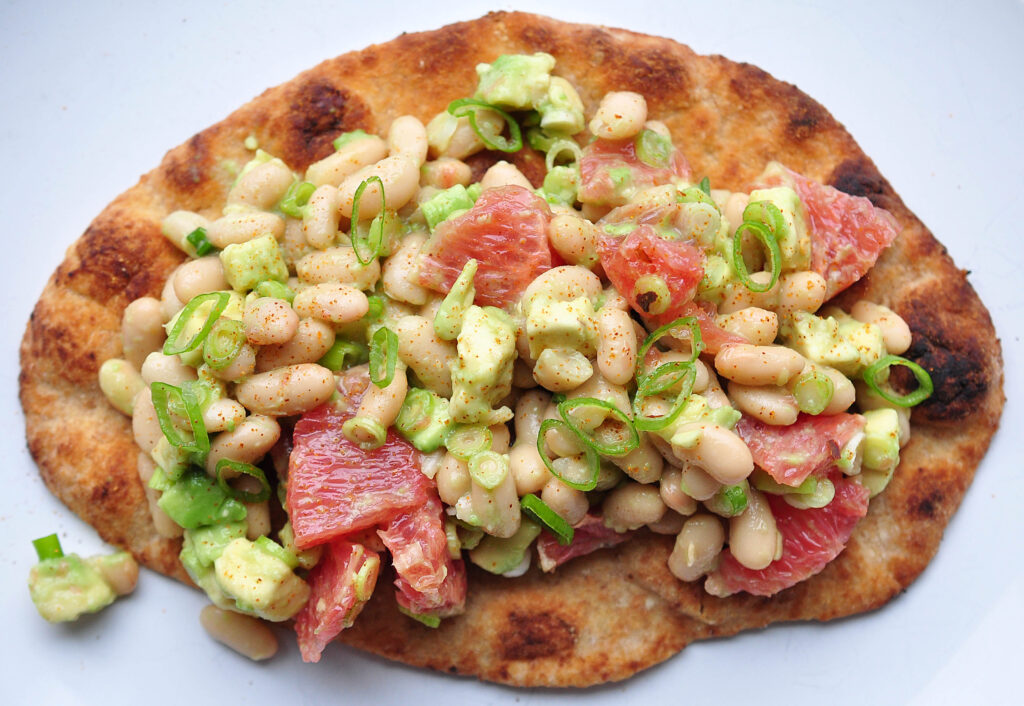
395	359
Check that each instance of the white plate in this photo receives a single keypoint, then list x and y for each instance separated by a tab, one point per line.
93	94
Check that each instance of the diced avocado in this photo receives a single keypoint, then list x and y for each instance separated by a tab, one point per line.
275	290
881	440
444	204
67	587
208	542
119	570
499	555
766	484
717	275
424	419
196	500
820	341
561	185
864	336
697	409
874	481
248	264
795	241
202	574
308	558
261	157
824	492
448	320
552	323
561	109
260	583
515	81
482	374
172	460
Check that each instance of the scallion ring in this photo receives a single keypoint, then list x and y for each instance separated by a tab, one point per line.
705	185
566	408
365	242
224	343
171	345
200	241
295	198
681	371
226	464
162	392
593	460
365	432
534	507
695	194
812	391
488	469
468	107
560	146
466	440
924	381
696	341
771	246
383	356
766	213
48	547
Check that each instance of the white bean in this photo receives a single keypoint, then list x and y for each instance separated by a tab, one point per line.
717	450
338	264
697	483
142	329
758	365
169	302
336	303
759	326
671	489
670	523
223	414
310	343
564	283
248	442
643	464
562	369
453	479
120	383
617	345
383	404
166	368
400	270
244	634
400	177
633	505
320	222
425	353
408	137
200	276
262	186
242	366
145	427
753	539
697	547
287	391
801	291
575	239
445	173
527	469
177	225
772	405
621	114
165	526
269	321
357	154
570	504
895	332
504	174
242	227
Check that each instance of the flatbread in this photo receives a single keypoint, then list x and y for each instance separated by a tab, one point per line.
611	614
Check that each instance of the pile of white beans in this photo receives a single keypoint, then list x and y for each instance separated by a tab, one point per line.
276	374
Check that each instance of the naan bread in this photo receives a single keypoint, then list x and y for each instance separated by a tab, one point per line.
611	614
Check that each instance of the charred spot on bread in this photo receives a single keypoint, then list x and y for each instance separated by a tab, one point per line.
805	118
860	177
532	635
318	112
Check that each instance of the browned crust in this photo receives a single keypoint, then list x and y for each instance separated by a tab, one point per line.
609	615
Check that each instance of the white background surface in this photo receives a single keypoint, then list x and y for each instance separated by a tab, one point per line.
93	94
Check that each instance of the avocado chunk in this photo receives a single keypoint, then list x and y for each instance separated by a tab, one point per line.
307	558
248	264
881	440
795	240
500	555
197	557
445	204
424	419
482	373
561	110
820	341
553	323
515	81
196	500
233	310
260	583
67	587
561	185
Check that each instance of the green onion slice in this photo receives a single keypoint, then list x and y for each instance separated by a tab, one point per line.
695	194
653	385
467	440
375	308
242	469
812	391
924	381
766	213
537	509
199	240
224	343
171	345
375	430
697	342
367	242
468	107
622	448
653	149
560	146
383	356
489	468
771	246
48	547
593	460
705	186
295	198
344	354
162	393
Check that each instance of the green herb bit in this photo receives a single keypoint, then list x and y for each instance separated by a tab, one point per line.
367	244
239	468
540	512
565	409
185	396
383	356
343	355
48	547
592	459
295	198
468	107
172	346
924	390
198	240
